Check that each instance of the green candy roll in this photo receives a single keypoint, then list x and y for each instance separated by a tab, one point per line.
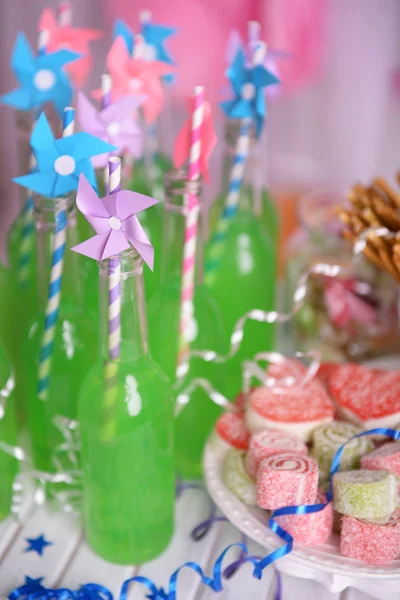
237	480
365	494
327	439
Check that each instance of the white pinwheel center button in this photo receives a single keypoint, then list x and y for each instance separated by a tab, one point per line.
64	165
248	91
114	223
44	80
113	128
135	84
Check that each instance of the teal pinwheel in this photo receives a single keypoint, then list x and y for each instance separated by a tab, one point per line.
41	79
61	161
248	85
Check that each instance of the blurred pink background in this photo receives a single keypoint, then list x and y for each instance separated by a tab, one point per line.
337	120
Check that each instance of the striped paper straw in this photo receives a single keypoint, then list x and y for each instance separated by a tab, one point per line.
189	248
217	242
253	35
54	295
65	14
114	321
27	242
106	87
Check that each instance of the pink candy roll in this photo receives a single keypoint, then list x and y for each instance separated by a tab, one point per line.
385	458
286	479
268	442
373	543
230	432
312	529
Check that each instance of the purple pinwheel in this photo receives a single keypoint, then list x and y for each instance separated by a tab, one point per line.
115	222
114	124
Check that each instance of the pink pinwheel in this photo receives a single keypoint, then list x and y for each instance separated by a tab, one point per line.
133	76
115	222
71	38
115	122
207	136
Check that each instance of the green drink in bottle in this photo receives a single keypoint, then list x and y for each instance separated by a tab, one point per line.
8	434
195	421
125	413
241	264
54	392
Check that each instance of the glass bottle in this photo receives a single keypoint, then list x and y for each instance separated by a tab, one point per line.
8	434
126	433
253	195
243	279
74	343
197	418
352	316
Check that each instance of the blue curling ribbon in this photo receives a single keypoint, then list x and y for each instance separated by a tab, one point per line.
34	590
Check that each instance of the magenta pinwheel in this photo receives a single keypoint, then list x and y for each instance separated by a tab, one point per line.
114	124
115	222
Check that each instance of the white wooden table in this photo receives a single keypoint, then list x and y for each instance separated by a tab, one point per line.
69	562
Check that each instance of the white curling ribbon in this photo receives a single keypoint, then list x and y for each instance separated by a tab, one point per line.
278	386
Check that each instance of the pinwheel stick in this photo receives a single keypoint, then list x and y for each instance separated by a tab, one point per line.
114	321
189	249
54	297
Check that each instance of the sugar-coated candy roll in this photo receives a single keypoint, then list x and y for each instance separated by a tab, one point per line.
230	432
386	458
372	542
365	494
268	442
296	411
367	397
311	529
327	439
237	480
285	480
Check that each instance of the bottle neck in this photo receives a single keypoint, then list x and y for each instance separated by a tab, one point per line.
178	188
45	213
131	316
252	167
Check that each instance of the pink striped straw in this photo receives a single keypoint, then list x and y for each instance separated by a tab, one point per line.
253	34
189	248
65	14
114	273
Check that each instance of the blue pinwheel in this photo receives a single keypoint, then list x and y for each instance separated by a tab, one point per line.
41	78
248	85
61	161
154	37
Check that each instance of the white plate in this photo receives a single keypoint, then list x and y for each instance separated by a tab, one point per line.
323	562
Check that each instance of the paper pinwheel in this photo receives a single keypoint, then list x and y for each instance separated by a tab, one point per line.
136	76
61	161
154	38
208	139
270	63
71	38
248	85
41	78
115	222
114	124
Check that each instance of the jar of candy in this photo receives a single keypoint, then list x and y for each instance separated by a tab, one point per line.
350	316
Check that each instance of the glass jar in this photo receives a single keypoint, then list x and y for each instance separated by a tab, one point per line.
349	317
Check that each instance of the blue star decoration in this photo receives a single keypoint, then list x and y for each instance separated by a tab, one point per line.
248	85
37	545
61	161
41	78
154	36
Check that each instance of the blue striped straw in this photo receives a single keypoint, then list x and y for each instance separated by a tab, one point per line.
27	241
217	242
54	294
